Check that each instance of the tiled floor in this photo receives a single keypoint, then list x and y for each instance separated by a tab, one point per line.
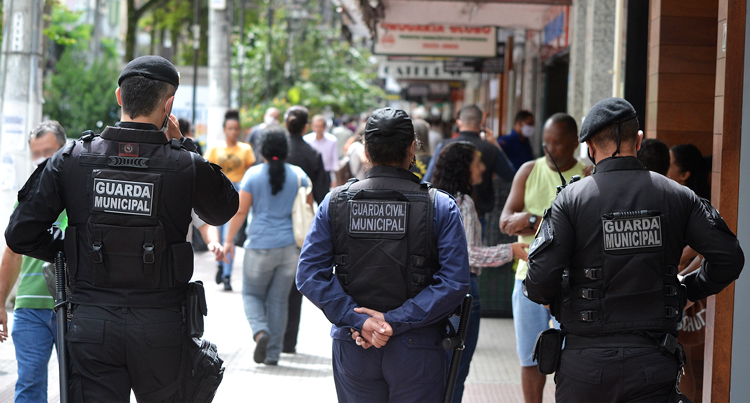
305	376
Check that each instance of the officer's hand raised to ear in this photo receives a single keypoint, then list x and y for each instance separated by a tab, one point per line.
173	128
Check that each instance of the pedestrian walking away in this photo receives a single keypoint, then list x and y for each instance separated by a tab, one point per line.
605	260
378	290
128	194
270	250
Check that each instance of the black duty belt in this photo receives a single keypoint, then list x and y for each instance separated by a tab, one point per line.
574	341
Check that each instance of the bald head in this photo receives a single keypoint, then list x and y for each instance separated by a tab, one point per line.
470	118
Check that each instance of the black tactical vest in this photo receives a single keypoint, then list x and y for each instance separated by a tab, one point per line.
385	250
128	221
624	277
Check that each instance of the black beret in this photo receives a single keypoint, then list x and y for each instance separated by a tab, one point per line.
603	114
153	67
388	125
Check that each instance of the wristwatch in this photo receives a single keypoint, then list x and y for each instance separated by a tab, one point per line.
532	221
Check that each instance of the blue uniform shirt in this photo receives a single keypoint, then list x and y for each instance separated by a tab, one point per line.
517	151
315	278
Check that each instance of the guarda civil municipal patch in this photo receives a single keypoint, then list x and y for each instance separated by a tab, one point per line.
632	232
377	217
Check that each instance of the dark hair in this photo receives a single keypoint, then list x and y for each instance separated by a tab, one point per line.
470	115
295	119
232	114
522	115
688	158
654	154
184	126
628	133
389	154
50	126
453	168
274	148
141	96
566	122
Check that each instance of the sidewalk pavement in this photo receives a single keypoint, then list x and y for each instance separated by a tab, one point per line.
306	375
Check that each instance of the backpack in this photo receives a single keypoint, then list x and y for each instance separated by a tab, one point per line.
302	213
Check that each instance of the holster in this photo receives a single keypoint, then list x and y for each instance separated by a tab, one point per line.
547	350
196	309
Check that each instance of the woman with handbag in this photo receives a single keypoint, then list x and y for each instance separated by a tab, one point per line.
271	252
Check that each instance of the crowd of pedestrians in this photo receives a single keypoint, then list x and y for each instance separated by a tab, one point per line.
270	161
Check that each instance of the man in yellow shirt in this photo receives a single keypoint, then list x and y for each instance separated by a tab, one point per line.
533	190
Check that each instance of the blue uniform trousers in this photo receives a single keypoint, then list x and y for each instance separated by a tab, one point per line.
409	368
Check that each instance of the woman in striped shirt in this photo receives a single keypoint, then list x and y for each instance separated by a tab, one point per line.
457	169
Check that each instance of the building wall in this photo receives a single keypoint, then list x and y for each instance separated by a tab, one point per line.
740	388
682	66
592	25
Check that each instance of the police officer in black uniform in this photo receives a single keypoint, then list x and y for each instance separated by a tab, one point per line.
606	257
128	194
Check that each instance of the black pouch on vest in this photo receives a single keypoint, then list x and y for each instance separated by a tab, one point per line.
196	309
126	257
547	350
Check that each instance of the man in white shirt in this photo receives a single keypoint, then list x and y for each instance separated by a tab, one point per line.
326	144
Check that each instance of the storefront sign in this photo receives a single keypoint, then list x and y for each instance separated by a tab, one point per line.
415	70
436	40
495	65
555	32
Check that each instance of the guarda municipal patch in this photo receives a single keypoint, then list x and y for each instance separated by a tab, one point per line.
377	217
632	234
123	197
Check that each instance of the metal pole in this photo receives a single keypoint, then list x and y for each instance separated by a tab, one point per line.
20	95
196	48
241	53
617	64
269	57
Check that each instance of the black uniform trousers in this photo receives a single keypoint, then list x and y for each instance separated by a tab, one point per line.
113	350
294	311
624	374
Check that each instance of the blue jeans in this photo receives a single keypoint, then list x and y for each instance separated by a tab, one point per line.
34	334
470	344
529	319
226	268
266	282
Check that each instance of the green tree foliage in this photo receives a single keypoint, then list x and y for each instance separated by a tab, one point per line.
82	98
80	92
326	71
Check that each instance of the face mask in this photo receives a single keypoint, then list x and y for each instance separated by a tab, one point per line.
527	131
269	120
165	126
591	157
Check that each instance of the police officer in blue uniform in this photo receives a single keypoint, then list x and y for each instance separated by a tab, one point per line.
386	261
128	194
605	259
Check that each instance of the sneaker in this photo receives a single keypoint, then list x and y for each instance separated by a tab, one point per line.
261	343
227	284
269	362
219	274
289	350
